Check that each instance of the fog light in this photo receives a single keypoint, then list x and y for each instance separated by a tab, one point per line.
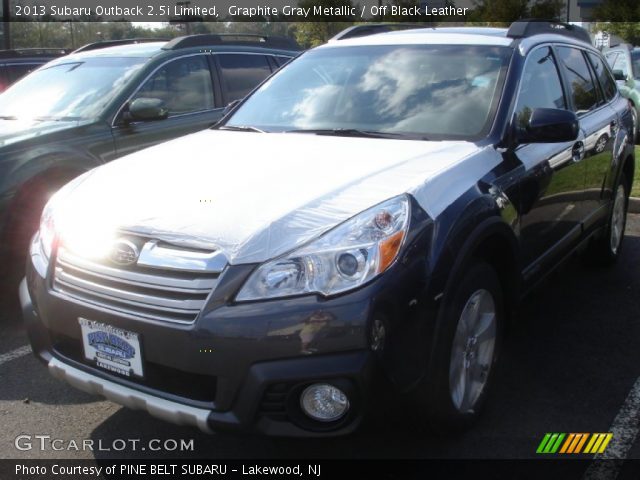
324	402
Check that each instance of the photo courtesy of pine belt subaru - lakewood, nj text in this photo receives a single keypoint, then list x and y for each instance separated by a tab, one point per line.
361	227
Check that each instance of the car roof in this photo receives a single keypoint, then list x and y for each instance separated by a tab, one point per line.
438	36
151	49
140	50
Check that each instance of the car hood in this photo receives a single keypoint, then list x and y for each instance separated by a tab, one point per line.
257	196
12	131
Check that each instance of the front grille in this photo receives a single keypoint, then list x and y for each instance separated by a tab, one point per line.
190	386
160	291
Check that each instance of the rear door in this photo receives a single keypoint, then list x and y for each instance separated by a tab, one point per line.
600	149
185	85
597	122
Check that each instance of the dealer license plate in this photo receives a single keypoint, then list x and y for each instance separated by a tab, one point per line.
111	348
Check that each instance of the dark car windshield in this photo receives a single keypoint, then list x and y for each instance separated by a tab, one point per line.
73	90
424	91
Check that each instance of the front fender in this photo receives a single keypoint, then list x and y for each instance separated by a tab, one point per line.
483	212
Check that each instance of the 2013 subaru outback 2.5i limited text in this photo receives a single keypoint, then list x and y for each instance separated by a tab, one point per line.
363	224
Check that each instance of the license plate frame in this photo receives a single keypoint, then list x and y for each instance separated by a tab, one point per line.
112	349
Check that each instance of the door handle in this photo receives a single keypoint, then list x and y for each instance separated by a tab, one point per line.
577	152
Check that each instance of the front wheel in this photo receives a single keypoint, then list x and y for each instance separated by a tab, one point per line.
467	345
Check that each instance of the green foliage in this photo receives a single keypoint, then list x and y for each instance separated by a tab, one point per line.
612	11
627	31
501	13
78	33
619	17
311	34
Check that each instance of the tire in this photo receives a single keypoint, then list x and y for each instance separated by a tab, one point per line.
606	249
22	223
470	326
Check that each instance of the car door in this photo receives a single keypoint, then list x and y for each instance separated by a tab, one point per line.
185	86
597	121
240	73
553	183
599	145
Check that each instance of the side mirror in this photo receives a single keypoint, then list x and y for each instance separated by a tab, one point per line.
619	75
146	109
550	125
230	107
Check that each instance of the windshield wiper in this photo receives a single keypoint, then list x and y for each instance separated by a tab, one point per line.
241	128
353	132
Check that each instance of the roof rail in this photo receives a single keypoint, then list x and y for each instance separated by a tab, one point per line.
529	27
245	39
115	43
34	52
373	28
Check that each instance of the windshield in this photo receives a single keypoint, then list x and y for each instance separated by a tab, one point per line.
423	91
76	90
635	64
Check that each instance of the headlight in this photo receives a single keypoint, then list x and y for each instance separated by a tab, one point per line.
344	258
47	232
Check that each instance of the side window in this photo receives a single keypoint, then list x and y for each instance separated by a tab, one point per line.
282	61
582	87
607	82
241	73
16	72
540	86
184	86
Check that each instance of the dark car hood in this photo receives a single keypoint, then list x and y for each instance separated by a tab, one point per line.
12	131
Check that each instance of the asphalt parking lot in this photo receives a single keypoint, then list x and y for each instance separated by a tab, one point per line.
570	364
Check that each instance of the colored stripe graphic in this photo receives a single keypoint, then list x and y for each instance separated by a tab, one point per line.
581	443
573	443
543	443
591	442
605	443
567	443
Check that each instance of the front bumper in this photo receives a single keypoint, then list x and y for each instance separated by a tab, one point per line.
256	361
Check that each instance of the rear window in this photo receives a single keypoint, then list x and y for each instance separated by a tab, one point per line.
607	82
581	84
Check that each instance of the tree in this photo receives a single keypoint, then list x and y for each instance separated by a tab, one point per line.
310	34
619	18
504	12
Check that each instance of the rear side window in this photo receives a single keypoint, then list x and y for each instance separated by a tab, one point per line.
282	60
16	72
540	86
607	82
582	87
241	73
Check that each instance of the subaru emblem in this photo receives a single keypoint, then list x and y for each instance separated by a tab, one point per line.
124	252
